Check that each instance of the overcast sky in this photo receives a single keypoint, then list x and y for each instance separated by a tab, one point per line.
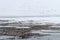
29	7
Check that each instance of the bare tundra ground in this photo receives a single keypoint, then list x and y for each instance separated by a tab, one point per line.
23	32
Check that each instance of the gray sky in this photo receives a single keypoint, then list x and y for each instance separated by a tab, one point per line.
29	7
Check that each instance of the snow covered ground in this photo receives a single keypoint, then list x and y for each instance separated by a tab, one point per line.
55	34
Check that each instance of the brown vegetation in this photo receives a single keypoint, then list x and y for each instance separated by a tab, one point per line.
23	32
39	27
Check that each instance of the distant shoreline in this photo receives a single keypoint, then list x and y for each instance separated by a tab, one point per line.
27	16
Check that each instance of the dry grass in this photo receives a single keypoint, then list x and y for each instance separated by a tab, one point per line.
23	32
39	27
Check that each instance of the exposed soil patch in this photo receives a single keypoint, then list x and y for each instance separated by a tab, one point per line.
32	34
